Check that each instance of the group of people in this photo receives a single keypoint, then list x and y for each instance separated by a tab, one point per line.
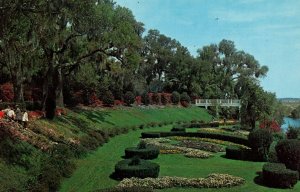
15	114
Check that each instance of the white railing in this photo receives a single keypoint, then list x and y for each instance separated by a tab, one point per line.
219	102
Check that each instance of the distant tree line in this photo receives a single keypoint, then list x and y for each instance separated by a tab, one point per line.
58	49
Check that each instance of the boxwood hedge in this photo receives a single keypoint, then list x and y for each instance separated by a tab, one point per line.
127	169
276	175
144	153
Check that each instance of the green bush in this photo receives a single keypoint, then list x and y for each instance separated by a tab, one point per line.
108	98
156	98
145	98
260	141
143	153
292	133
175	97
89	142
185	97
235	152
129	98
127	169
276	175
288	152
150	135
179	128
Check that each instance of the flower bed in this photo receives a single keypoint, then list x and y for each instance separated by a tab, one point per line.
206	146
162	145
215	141
212	181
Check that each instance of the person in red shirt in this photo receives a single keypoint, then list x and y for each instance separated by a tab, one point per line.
2	114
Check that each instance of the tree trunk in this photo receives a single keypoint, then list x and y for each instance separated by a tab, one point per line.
59	88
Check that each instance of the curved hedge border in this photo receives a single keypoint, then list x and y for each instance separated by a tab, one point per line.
124	169
276	175
235	152
144	153
150	135
219	136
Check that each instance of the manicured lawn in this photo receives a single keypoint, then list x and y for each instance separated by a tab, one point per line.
94	170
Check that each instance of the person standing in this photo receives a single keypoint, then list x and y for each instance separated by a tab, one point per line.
19	115
25	119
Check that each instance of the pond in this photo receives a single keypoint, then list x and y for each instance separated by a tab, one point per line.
290	122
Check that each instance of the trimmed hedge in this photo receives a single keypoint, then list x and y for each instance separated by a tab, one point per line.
150	135
232	138
146	153
177	128
260	141
202	125
276	175
127	169
288	152
235	152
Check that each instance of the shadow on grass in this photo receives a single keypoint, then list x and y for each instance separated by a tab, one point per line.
114	176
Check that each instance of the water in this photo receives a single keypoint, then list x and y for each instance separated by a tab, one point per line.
290	122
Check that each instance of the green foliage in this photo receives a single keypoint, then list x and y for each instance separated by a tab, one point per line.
288	152
145	98
260	141
143	153
235	152
295	114
276	175
179	128
175	97
129	98
124	169
150	135
293	133
18	152
108	98
184	97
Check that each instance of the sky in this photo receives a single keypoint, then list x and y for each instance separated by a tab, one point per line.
267	29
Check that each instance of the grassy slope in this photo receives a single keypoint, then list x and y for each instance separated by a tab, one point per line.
79	122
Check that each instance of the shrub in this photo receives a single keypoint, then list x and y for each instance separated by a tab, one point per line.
129	98
150	135
276	175
234	152
127	169
7	92
178	128
288	152
260	141
108	98
175	97
156	98
89	142
144	153
184	97
145	98
292	133
166	98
